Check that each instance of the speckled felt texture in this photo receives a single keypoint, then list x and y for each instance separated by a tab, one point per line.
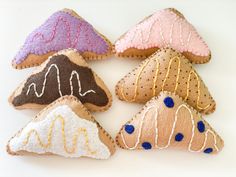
166	70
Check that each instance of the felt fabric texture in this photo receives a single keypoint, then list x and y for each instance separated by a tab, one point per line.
166	70
165	28
62	30
158	126
64	128
60	76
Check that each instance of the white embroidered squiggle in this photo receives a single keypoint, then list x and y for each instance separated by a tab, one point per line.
172	131
140	130
38	94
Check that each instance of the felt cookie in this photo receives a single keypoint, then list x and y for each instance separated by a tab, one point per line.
167	121
166	70
64	29
64	73
65	128
165	28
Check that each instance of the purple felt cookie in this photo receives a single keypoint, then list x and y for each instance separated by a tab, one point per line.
62	31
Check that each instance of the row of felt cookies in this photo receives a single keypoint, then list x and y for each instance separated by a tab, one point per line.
66	29
39	95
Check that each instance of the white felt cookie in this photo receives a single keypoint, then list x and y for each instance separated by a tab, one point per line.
58	129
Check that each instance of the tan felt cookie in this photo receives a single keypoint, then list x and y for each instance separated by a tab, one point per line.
62	30
165	28
167	121
65	128
166	70
64	73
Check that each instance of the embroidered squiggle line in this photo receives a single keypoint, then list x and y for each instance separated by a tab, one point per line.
167	44
171	32
155	78
145	35
140	129
164	82
172	131
198	89
59	83
75	137
193	130
62	20
168	71
136	83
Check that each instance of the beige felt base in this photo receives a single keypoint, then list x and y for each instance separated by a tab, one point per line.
77	59
80	110
156	124
144	53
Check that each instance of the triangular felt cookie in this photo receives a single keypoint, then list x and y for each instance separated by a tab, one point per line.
166	70
64	128
167	121
64	29
165	28
64	73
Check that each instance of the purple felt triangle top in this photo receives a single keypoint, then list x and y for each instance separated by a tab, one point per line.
62	31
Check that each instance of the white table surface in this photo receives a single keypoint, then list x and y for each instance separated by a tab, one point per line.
215	21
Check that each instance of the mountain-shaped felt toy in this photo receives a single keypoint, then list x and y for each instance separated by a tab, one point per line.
64	73
165	28
166	70
63	29
167	121
64	128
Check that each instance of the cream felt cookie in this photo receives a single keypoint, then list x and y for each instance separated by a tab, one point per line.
167	121
62	30
65	128
165	28
64	73
166	70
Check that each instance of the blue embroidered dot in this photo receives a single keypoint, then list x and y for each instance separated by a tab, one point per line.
208	150
201	126
179	137
146	145
169	102
129	129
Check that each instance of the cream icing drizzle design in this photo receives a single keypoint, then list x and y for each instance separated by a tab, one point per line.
182	106
164	29
62	132
73	73
192	72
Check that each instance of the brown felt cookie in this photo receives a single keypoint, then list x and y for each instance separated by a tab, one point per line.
65	128
64	73
167	121
166	70
165	28
62	30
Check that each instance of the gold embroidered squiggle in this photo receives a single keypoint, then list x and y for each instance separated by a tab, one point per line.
163	85
155	79
136	83
168	71
71	150
192	72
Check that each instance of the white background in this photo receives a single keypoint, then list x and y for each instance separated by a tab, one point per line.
215	21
